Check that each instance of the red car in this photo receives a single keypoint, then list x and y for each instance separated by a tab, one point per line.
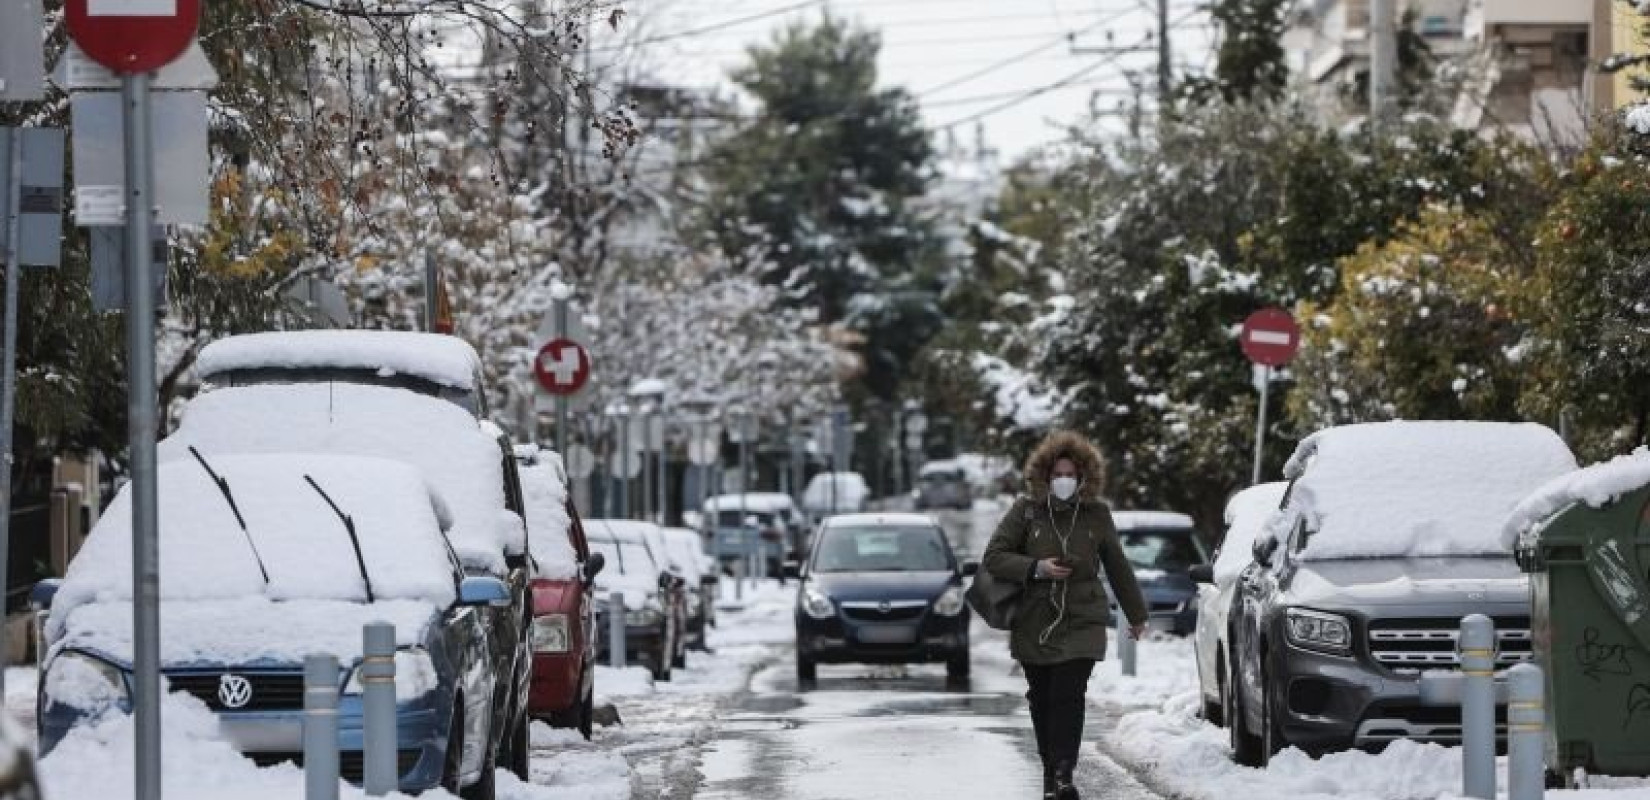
564	621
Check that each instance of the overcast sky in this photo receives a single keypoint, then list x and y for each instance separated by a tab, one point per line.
1008	63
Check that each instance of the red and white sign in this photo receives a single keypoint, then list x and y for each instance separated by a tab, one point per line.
1271	337
562	367
132	36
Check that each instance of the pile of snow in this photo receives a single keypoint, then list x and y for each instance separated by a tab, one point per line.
461	461
1246	514
544	492
1167	667
1597	486
1415	488
447	360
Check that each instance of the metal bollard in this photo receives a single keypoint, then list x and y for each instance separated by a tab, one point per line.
1476	649
615	630
321	728
1125	645
378	709
1526	738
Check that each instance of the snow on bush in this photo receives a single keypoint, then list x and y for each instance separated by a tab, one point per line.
1597	486
439	358
1246	514
1415	488
437	437
545	496
1018	396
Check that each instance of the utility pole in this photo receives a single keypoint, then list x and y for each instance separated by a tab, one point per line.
1383	59
1165	64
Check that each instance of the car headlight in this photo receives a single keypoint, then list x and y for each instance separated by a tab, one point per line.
950	602
82	682
1315	630
817	605
551	634
414	675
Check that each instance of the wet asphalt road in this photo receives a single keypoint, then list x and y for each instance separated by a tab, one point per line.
897	732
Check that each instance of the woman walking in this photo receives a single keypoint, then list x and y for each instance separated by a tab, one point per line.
1056	540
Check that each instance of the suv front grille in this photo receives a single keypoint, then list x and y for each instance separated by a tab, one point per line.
281	691
1423	644
351	763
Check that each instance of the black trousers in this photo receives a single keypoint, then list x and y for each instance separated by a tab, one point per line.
1058	697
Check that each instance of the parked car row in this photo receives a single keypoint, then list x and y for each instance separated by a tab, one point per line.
322	480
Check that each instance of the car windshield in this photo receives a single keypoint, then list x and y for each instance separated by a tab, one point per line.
1171	550
628	558
883	548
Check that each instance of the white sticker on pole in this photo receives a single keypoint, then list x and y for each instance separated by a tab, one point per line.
132	8
99	205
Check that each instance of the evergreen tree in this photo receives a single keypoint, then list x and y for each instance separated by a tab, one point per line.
1249	63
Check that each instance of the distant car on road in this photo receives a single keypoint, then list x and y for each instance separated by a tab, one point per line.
777	535
1163	547
268	559
651	621
943	484
882	589
1246	512
1388	535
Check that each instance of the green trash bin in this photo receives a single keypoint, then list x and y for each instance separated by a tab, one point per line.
1590	585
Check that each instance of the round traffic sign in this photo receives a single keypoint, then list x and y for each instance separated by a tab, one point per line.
703	452
133	36
1271	337
622	463
562	367
580	462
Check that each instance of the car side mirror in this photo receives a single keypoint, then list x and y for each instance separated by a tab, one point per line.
482	590
41	596
793	569
593	566
970	569
1201	573
1265	547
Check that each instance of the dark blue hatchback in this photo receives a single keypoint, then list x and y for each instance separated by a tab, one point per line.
881	589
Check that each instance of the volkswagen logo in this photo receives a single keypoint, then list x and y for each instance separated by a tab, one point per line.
884	607
234	691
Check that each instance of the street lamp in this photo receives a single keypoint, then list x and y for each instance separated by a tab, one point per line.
618	414
650	394
704	448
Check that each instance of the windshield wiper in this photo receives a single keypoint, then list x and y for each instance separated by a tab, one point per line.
349	527
223	488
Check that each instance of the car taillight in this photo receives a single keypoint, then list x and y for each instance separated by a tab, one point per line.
551	634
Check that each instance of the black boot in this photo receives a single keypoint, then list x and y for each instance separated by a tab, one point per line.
1064	788
1048	784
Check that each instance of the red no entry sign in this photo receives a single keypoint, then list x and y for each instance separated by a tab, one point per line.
562	367
132	36
1271	337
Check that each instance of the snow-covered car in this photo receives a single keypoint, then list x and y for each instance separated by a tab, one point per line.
299	403
1389	534
686	553
1217	583
778	534
942	484
564	583
834	493
266	559
882	589
1163	546
648	588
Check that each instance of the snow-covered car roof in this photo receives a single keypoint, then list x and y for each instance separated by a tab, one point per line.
765	502
686	552
879	518
304	546
442	440
638	581
1246	514
442	359
1157	520
1391	489
1597	486
946	468
544	493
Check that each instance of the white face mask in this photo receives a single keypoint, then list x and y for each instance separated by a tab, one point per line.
1064	487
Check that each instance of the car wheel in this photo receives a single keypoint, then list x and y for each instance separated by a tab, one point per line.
519	753
587	715
1271	735
1214	710
662	660
1245	745
679	660
453	762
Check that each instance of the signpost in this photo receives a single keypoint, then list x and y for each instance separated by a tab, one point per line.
1270	339
134	38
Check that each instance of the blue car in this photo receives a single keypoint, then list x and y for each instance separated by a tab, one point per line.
265	560
1163	547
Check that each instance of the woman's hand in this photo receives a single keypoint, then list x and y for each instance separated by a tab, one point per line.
1049	569
1137	631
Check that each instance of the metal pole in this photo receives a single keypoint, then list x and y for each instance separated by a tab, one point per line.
644	481
11	182
1383	59
321	727
1526	737
561	399
378	708
1165	64
1477	654
1260	422
142	420
664	467
745	487
1126	651
624	457
431	277
615	630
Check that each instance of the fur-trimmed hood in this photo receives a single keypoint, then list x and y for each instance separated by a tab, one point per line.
1091	468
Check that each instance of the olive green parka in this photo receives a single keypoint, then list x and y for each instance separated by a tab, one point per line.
1063	620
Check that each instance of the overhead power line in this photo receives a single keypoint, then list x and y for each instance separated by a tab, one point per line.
1063	39
712	28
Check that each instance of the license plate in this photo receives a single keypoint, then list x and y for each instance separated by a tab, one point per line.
888	634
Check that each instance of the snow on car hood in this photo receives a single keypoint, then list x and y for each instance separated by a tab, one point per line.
244	630
1415	488
1483	580
439	438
